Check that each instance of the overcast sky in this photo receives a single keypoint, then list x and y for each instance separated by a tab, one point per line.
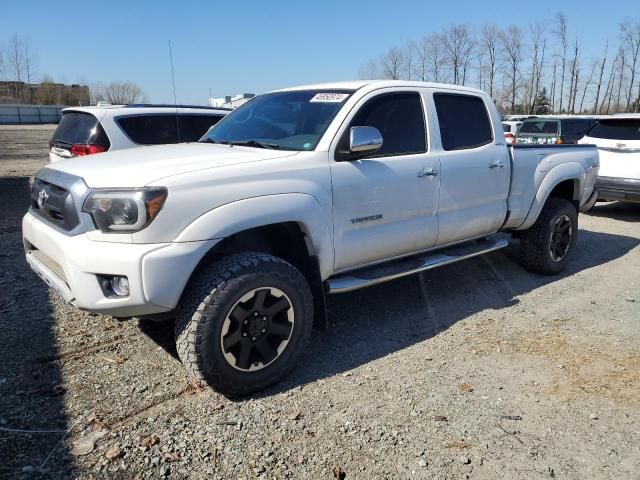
243	46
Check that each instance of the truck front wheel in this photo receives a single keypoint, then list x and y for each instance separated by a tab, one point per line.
545	247
243	322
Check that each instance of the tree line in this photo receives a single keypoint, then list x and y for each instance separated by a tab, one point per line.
18	76
537	69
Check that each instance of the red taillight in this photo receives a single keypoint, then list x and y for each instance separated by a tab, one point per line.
559	141
80	149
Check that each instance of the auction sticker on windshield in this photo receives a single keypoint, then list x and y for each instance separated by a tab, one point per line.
329	97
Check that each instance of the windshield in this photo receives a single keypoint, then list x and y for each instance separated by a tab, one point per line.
294	120
539	127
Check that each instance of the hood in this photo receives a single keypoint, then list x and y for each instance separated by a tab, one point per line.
138	167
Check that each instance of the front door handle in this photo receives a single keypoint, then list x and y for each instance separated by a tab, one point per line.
496	164
427	172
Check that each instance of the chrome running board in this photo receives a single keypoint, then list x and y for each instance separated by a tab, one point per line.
415	264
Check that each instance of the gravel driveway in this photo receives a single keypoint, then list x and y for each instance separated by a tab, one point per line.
477	370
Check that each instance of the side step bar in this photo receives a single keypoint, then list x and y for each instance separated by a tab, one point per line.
408	266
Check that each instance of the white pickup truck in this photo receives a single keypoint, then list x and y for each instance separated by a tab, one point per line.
297	194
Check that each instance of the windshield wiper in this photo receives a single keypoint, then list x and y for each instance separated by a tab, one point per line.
256	143
210	140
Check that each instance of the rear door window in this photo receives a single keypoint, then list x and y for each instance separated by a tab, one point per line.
194	126
79	128
150	129
464	121
617	129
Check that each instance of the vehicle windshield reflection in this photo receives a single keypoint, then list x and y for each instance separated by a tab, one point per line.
292	120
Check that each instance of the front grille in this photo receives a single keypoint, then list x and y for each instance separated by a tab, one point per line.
54	204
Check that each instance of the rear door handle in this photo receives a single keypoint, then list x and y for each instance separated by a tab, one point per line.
496	164
427	172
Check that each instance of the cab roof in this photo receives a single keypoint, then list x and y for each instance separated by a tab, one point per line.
375	84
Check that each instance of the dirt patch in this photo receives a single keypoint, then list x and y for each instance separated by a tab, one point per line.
587	369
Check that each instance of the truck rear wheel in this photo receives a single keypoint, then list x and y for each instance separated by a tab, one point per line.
243	323
545	246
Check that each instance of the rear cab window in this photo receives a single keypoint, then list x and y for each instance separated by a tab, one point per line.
79	128
464	121
616	129
539	127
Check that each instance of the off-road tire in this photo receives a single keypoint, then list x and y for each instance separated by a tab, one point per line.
209	298
535	251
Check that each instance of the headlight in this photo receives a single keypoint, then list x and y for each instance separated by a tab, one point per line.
124	211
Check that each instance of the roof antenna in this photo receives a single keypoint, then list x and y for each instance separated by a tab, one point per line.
173	79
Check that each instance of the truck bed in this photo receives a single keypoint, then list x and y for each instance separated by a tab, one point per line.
530	165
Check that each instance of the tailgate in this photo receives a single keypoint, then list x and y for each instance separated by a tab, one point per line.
619	158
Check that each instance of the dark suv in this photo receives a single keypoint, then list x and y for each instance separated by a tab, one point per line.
543	130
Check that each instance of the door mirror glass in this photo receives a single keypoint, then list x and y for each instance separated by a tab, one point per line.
363	140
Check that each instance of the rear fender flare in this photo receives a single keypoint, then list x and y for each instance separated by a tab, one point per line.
560	173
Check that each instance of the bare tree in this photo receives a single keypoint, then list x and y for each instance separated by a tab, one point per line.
594	65
118	93
513	65
15	55
17	66
422	60
5	94
368	71
49	93
392	64
561	33
29	69
96	93
408	60
553	82
631	41
599	85
435	47
511	48
538	46
608	91
575	73
458	45
480	57
620	73
469	54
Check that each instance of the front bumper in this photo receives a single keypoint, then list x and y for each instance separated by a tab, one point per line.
71	265
621	189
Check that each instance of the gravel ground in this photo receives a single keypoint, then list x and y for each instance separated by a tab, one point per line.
477	370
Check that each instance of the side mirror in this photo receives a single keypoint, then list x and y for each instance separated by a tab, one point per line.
363	140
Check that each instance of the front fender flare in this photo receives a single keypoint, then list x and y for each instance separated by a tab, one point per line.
235	217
